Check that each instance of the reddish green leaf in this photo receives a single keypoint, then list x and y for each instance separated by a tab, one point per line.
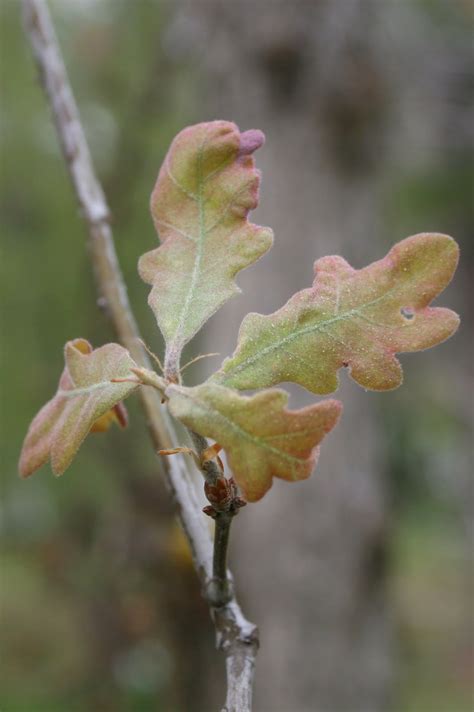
354	318
205	189
262	439
85	401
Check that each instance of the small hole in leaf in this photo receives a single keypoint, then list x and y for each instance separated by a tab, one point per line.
407	312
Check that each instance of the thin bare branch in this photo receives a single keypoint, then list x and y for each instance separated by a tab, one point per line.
236	636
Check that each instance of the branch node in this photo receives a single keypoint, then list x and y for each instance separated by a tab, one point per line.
219	592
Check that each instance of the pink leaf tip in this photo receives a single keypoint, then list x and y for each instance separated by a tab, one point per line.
251	141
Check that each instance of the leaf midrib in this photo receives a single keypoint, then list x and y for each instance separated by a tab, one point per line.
228	375
199	249
258	442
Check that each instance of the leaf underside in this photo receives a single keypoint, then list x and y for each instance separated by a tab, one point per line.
261	438
204	192
357	319
85	401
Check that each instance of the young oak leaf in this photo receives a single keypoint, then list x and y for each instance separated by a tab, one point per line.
86	401
205	189
261	437
353	318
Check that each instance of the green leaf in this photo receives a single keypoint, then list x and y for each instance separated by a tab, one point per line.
262	439
85	401
357	319
205	189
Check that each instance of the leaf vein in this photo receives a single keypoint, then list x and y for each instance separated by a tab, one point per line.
259	442
176	229
189	194
321	326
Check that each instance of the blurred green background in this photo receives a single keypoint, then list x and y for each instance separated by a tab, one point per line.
100	607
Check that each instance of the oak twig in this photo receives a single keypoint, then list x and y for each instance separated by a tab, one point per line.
210	469
224	505
223	588
236	636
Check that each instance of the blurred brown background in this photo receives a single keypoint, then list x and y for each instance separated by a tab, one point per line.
359	579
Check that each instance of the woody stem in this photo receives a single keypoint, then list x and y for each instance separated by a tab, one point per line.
221	584
219	589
